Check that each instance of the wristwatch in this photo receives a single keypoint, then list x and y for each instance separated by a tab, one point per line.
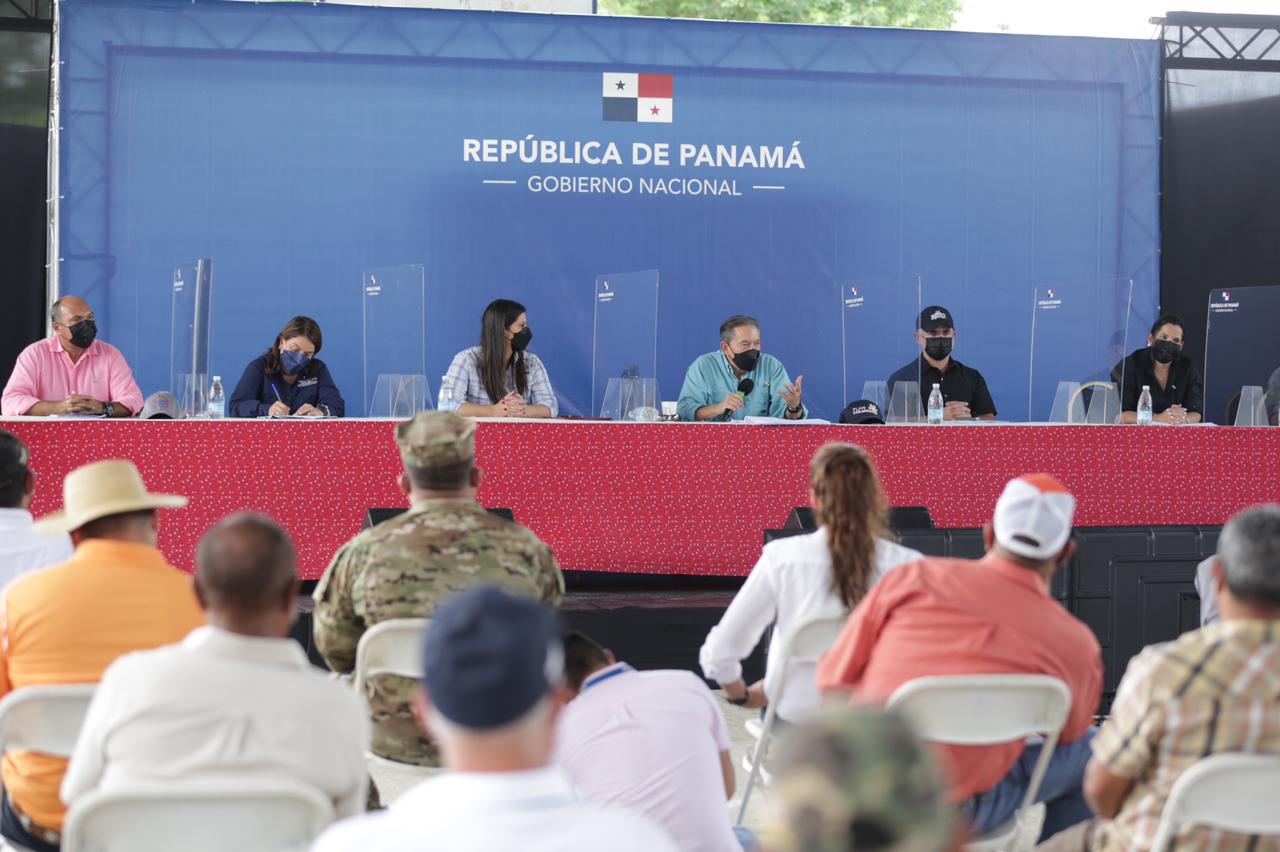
108	409
738	702
795	410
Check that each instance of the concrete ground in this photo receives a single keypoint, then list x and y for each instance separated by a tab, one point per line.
742	743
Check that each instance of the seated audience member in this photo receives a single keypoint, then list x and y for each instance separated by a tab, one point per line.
1207	692
406	566
990	616
236	697
288	378
1204	588
820	575
22	549
492	687
653	742
72	372
855	779
1177	393
67	623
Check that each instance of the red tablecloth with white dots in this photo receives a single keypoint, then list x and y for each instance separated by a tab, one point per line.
665	497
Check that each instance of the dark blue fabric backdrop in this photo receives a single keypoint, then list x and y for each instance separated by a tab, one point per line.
300	145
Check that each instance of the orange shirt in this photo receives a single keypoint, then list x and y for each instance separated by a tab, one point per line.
67	623
957	616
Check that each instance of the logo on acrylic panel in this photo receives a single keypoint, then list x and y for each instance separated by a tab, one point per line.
1050	302
852	299
1222	304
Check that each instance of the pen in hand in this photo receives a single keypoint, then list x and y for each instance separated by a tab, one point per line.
276	391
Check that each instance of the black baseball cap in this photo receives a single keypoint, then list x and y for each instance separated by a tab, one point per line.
862	411
935	317
490	656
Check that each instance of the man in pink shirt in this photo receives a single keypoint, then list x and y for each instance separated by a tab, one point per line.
71	372
991	616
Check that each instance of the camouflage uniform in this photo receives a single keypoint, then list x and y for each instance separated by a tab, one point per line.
857	778
407	566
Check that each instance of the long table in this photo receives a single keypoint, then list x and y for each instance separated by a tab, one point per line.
674	498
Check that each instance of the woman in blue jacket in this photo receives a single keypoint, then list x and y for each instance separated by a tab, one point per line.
289	379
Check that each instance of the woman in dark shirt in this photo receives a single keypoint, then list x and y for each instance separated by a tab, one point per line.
288	378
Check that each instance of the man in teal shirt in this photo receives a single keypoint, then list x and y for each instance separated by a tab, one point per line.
711	384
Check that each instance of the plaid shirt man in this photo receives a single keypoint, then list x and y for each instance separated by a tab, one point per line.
463	383
1212	690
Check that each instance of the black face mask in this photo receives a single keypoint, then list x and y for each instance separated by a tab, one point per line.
83	333
746	361
1165	351
938	348
521	340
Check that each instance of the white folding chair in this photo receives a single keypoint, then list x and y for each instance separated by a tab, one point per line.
806	644
391	647
46	718
247	814
985	710
1232	792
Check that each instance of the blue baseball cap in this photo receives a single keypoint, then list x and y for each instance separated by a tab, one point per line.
490	656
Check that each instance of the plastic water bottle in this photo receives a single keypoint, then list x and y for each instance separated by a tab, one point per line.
444	399
217	401
935	404
1144	406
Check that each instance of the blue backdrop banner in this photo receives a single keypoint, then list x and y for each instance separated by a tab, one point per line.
760	169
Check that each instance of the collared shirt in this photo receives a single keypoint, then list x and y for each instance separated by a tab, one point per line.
955	617
404	568
650	742
463	382
532	811
790	584
960	383
67	623
254	394
710	379
44	372
1184	388
1209	691
22	549
216	704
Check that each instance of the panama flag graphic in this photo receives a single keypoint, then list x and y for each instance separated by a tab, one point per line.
638	97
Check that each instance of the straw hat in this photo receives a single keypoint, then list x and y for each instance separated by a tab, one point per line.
100	489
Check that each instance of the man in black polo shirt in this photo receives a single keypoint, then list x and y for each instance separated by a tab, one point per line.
964	391
1177	394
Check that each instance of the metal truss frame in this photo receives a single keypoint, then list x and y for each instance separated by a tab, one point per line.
1221	42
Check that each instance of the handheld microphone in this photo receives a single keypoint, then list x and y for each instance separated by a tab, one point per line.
744	390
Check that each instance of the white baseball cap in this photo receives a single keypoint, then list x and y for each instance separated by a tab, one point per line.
1033	516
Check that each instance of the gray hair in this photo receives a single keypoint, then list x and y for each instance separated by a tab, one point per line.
55	310
1249	550
735	321
246	562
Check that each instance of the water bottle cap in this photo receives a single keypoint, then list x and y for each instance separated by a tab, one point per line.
217	378
1146	387
935	384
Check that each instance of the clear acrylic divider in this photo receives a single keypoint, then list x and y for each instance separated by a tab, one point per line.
1241	348
1079	341
624	346
393	300
400	396
192	300
631	399
1250	405
878	315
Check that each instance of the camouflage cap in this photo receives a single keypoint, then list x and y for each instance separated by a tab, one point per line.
856	778
436	438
